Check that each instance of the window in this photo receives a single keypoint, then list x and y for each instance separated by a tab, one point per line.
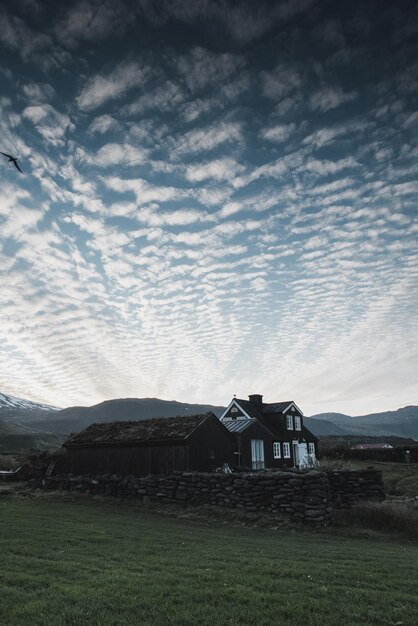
234	409
276	450
297	422
257	454
311	448
286	450
289	422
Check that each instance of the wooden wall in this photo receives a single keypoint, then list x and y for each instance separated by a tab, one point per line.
207	447
136	460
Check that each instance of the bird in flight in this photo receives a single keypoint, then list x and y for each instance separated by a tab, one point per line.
12	160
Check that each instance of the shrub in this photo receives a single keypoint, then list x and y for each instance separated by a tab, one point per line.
399	517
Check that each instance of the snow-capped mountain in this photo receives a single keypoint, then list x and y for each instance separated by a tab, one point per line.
16	434
11	402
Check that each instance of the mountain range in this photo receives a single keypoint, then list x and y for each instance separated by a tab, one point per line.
20	417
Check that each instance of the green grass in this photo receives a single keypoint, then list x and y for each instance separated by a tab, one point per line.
400	479
83	561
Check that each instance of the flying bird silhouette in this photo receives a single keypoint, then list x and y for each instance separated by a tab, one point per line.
12	160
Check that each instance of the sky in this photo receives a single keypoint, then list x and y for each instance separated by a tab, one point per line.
217	198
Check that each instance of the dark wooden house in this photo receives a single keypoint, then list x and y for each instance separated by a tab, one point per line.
154	446
269	435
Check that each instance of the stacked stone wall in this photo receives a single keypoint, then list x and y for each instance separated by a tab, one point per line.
349	487
310	496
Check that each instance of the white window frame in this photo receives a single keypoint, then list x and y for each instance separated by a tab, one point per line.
234	409
286	450
298	423
277	454
289	422
311	448
257	454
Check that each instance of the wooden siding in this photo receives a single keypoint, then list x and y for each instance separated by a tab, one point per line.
211	445
243	445
136	460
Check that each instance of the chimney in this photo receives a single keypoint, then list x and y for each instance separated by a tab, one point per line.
256	399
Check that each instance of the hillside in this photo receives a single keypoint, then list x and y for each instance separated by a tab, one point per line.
76	418
31	417
323	427
20	411
400	423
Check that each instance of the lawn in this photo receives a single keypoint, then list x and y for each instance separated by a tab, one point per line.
90	561
400	479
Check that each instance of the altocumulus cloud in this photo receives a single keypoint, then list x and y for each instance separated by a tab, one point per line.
217	198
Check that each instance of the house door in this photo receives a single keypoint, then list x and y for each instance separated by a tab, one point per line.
299	451
257	454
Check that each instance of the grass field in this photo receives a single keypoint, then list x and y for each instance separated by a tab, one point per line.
84	561
400	479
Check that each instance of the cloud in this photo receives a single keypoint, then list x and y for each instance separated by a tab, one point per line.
279	133
281	82
202	68
243	21
91	20
49	122
15	34
328	135
165	97
113	85
219	169
206	139
329	98
102	124
40	92
112	154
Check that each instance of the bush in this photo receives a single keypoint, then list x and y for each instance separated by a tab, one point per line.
399	517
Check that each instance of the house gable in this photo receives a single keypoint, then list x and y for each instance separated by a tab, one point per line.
234	411
278	425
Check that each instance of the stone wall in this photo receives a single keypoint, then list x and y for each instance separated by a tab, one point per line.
348	487
310	496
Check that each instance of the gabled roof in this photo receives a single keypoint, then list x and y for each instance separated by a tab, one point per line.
239	425
157	429
257	411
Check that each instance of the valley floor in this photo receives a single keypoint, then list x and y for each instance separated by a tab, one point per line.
67	561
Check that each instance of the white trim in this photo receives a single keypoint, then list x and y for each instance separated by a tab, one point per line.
297	417
296	407
286	446
277	447
230	405
291	421
311	448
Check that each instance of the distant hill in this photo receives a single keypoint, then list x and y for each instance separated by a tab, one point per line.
400	423
347	441
7	429
323	427
30	417
76	418
19	411
15	433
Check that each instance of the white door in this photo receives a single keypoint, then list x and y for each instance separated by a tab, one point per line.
257	454
299	451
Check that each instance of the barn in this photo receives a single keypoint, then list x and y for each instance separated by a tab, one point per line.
154	446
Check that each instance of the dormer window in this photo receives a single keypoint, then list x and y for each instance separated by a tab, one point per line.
234	409
289	422
297	423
